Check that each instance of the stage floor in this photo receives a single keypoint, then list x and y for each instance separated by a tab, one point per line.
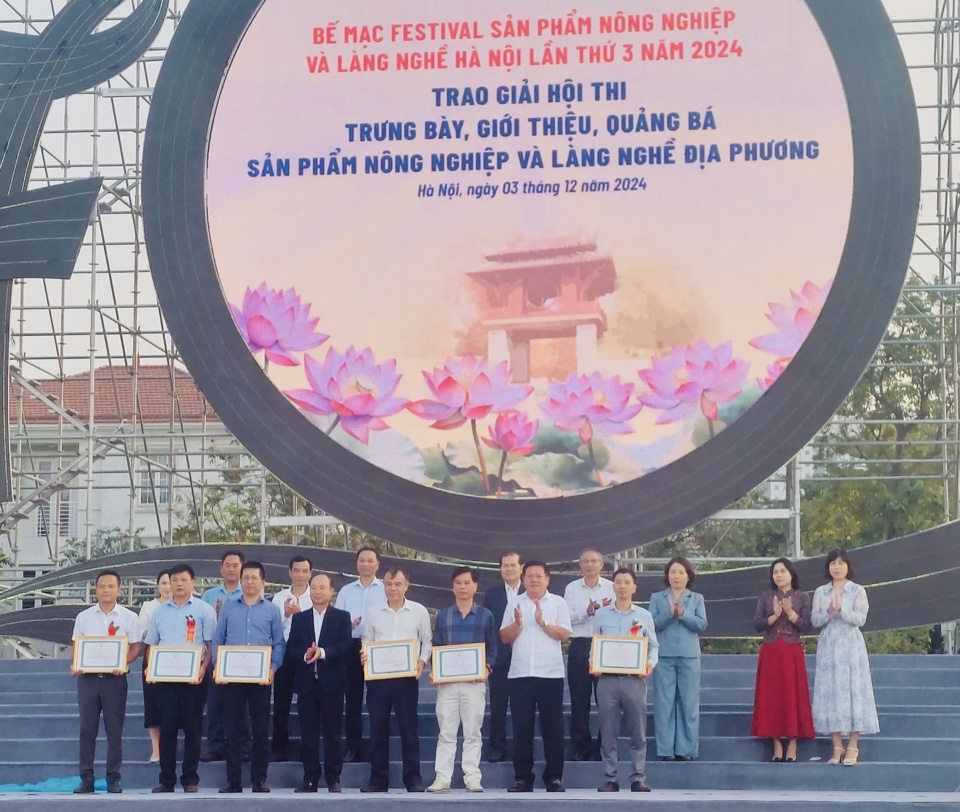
460	801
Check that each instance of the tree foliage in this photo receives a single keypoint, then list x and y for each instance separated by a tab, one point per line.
106	541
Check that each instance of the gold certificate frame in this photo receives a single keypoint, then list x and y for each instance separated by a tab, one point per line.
100	654
615	654
465	662
174	663
390	659
245	664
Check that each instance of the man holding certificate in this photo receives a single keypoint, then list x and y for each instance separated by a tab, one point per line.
622	679
252	621
101	670
320	643
536	627
188	622
408	623
461	685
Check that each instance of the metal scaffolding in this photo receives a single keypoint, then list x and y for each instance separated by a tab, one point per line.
104	328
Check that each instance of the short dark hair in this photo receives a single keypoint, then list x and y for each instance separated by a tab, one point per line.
474	575
394	570
512	552
229	553
254	565
794	578
176	569
161	574
541	564
326	575
299	559
369	549
679	559
832	556
104	573
624	571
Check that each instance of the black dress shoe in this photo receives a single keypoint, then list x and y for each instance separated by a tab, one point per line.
521	786
350	756
278	757
227	789
372	788
261	787
554	785
161	788
211	755
85	788
609	786
306	787
579	756
114	788
639	786
777	759
191	788
788	760
415	788
334	787
667	758
495	757
683	758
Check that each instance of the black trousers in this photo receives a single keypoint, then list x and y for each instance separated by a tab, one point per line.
319	710
400	696
282	699
529	695
354	696
181	708
499	700
581	686
101	694
238	699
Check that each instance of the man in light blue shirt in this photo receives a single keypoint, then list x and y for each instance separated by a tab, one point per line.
229	590
184	620
358	598
250	621
624	694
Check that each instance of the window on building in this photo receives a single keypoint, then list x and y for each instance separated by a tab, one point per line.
155	480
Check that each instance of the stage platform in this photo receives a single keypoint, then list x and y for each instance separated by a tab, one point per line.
913	763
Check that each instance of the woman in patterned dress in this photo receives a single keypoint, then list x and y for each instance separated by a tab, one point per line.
843	701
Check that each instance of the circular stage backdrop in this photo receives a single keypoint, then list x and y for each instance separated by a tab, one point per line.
533	275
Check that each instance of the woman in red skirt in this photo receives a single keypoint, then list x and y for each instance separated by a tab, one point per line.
781	701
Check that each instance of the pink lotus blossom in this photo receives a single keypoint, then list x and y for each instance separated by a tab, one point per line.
793	321
353	387
774	371
587	403
467	389
513	433
276	322
691	377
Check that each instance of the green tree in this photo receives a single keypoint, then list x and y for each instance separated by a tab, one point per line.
106	541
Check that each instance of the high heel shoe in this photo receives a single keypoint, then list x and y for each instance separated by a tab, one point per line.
837	756
851	756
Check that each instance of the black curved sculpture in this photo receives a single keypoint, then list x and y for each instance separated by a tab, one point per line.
41	230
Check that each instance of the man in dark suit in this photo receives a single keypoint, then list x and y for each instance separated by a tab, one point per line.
497	600
320	640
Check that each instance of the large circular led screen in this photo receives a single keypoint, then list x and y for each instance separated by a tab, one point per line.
468	261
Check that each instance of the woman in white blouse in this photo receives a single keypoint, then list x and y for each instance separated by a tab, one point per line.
151	710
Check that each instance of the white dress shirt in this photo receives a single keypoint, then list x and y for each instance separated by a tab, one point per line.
536	653
578	597
282	597
410	622
146	612
317	628
93	622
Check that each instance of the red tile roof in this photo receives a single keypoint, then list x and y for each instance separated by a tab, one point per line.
160	392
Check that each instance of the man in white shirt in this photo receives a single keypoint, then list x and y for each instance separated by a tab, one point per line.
290	602
538	625
584	596
358	598
397	619
104	693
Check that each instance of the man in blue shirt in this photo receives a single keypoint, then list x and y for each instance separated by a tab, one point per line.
358	598
216	596
463	702
624	694
250	621
184	620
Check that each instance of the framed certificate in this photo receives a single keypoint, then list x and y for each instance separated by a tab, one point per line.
612	654
100	655
249	664
391	659
460	663
174	663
